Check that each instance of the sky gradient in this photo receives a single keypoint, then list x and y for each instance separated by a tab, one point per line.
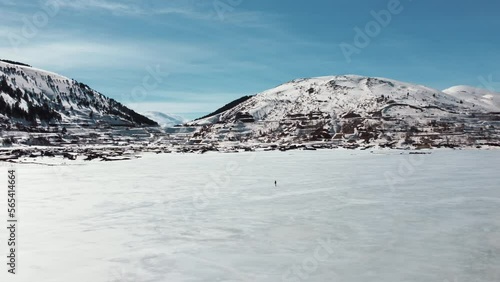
190	57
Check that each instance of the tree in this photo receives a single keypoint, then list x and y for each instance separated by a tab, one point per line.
3	105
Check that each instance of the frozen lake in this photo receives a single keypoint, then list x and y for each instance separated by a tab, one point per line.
334	216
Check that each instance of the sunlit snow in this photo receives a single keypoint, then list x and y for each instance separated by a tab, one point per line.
334	216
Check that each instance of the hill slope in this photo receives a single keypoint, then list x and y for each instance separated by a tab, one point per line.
476	96
349	109
36	97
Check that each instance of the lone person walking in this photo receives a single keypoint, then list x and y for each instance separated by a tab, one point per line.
275	183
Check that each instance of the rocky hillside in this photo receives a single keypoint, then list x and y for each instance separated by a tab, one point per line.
31	97
358	111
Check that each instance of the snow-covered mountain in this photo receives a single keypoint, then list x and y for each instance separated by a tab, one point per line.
348	111
476	96
33	97
165	120
350	108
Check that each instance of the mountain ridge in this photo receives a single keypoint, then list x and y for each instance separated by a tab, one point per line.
349	111
33	96
350	108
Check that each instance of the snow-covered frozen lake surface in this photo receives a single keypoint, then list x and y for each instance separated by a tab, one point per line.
334	216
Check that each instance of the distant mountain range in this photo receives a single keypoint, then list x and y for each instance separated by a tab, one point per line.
165	120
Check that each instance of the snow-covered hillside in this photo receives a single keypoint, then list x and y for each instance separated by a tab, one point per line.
348	94
165	120
484	98
348	108
336	111
33	97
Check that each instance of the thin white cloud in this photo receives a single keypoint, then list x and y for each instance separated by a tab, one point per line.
112	6
110	54
194	9
8	2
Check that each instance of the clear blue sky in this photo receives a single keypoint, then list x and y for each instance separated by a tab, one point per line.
215	51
